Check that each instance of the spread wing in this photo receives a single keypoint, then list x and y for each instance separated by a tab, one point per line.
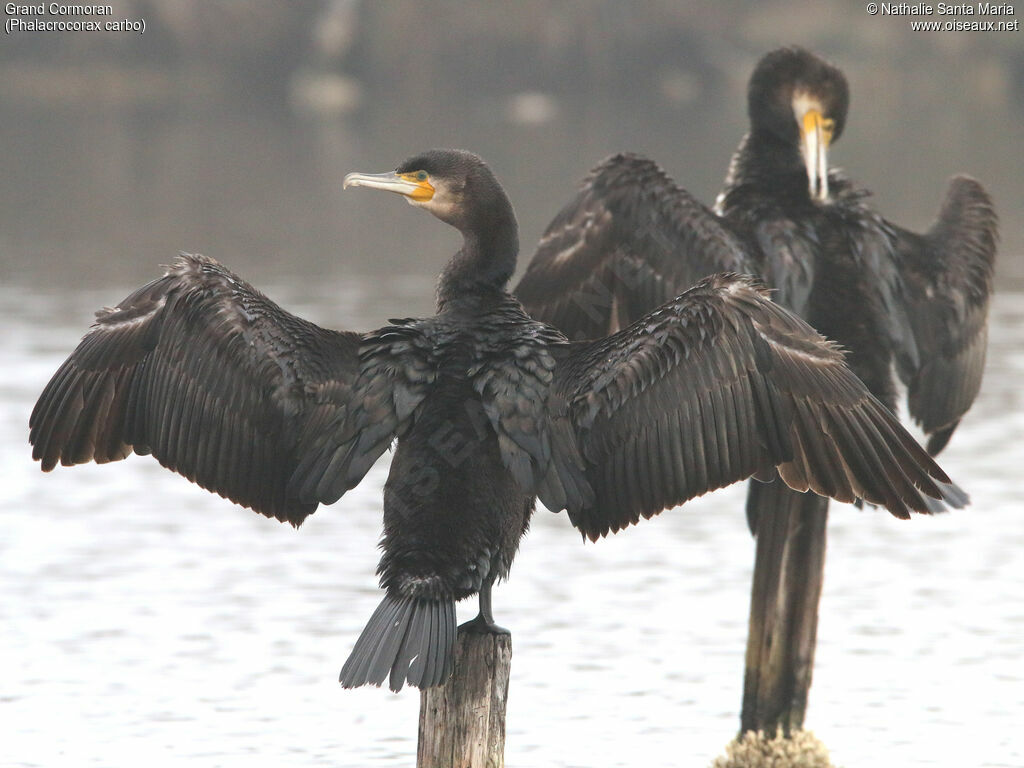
947	283
629	241
718	385
215	380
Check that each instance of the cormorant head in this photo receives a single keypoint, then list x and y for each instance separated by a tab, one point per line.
801	100
454	185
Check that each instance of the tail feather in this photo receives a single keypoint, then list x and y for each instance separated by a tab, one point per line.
408	651
419	649
366	665
383	659
406	639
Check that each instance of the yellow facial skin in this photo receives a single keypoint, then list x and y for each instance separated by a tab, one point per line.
814	122
424	189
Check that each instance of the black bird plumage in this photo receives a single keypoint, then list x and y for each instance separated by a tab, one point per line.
491	409
632	237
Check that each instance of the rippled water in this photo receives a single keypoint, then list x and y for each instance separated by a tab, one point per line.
146	621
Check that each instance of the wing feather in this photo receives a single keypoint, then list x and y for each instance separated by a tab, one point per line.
719	385
947	278
630	240
203	371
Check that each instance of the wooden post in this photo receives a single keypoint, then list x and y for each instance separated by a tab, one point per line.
462	723
788	573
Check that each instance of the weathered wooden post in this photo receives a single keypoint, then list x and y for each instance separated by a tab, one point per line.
788	574
462	723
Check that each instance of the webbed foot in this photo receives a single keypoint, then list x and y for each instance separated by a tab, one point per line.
483	626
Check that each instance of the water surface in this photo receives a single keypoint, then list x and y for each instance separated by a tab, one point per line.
148	620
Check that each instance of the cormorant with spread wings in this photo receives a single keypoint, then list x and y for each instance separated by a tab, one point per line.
491	409
632	238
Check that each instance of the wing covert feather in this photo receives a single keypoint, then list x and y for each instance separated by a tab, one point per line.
396	370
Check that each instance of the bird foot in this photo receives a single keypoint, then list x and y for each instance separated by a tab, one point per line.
482	626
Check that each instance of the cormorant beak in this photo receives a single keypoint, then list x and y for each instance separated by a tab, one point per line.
815	136
417	189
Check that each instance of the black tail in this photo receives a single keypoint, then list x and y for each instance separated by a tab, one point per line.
411	638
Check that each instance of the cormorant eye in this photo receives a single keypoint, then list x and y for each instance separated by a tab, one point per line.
421	175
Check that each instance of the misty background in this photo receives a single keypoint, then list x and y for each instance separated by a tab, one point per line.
227	127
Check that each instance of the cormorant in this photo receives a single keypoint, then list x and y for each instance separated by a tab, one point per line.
632	238
491	410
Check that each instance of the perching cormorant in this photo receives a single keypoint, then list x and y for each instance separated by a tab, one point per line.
632	238
490	407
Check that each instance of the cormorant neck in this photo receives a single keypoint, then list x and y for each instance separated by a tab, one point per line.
762	159
487	259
